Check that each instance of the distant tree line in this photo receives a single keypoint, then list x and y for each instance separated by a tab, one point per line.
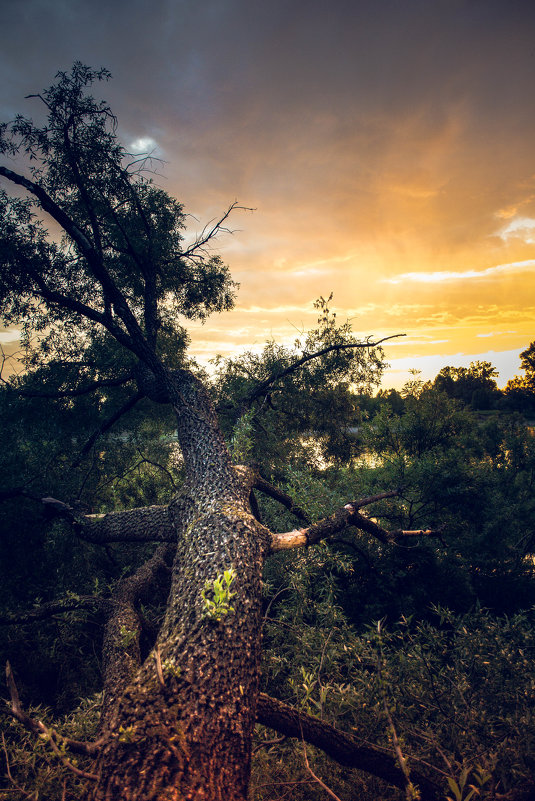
475	386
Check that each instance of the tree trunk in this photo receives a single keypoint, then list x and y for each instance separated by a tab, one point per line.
182	729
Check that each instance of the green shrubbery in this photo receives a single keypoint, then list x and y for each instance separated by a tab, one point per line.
459	689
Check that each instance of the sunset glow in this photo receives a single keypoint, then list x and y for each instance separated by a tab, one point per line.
386	149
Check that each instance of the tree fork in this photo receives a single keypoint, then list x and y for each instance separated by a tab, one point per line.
191	737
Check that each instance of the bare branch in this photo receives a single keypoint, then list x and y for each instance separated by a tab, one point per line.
104	319
317	778
267	744
80	183
38	727
13	692
348	515
54	210
208	233
374	498
158	466
264	386
82	774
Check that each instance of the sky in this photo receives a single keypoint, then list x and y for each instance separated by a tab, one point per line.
386	148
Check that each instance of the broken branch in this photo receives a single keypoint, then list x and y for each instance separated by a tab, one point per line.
38	727
348	515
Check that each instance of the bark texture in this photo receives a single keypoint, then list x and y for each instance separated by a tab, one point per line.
186	733
179	725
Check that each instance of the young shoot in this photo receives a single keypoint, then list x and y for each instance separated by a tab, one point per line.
217	594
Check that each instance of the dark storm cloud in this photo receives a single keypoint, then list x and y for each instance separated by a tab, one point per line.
212	60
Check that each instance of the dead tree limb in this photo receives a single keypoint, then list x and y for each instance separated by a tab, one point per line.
211	231
347	515
38	727
342	747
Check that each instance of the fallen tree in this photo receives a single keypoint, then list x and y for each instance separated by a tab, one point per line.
179	723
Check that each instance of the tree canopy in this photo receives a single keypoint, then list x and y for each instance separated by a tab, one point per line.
119	271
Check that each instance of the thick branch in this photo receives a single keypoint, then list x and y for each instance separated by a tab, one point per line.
54	210
145	524
348	515
132	588
343	748
264	386
121	656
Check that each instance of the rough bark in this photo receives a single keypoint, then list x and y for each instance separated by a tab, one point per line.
121	655
190	736
180	725
147	524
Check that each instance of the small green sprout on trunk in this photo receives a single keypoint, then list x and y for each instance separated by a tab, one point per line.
216	596
127	637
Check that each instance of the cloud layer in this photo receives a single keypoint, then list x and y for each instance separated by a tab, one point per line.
386	147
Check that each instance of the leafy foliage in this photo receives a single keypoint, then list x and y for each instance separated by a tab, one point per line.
459	710
118	222
32	768
475	385
520	391
217	595
304	414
